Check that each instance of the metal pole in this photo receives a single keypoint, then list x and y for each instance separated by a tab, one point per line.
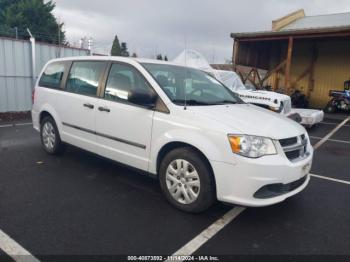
59	40
32	41
234	54
16	32
288	65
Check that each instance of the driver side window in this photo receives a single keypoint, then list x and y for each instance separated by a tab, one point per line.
167	81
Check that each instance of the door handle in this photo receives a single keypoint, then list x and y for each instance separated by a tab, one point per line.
89	105
105	109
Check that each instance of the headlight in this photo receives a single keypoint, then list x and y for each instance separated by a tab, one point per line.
251	146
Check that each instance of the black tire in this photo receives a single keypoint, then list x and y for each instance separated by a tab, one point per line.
58	147
330	108
206	195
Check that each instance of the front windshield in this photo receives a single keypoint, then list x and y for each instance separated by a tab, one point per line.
191	86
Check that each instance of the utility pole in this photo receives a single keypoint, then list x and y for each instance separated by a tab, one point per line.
32	41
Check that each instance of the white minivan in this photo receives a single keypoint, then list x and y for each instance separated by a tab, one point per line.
174	122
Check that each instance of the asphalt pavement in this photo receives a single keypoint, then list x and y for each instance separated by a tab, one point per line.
82	204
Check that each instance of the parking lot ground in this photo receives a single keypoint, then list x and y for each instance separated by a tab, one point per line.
313	141
331	157
315	221
339	116
342	134
82	204
331	121
4	257
79	203
320	130
332	160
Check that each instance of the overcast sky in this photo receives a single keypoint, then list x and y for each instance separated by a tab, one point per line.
167	26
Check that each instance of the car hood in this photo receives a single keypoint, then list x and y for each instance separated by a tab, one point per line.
249	119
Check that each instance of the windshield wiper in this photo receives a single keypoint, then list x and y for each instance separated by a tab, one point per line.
229	102
190	102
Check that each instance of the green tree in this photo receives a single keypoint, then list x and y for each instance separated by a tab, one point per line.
134	55
33	14
6	3
124	50
159	57
165	58
116	50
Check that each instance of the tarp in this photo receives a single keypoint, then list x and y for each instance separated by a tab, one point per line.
192	58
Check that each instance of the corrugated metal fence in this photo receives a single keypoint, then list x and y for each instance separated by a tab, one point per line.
16	70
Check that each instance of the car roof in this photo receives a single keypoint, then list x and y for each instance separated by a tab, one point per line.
114	58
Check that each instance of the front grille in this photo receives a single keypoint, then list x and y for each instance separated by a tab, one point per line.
288	141
278	189
292	154
295	148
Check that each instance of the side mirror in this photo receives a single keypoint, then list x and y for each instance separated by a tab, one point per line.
147	99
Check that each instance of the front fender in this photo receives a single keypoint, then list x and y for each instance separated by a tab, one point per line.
204	142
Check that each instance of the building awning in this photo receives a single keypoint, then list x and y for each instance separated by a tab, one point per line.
301	33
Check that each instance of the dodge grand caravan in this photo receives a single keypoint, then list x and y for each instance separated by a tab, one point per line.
177	123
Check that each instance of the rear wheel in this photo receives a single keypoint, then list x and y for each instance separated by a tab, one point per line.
186	180
50	137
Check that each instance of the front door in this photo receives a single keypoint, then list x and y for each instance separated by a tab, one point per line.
123	129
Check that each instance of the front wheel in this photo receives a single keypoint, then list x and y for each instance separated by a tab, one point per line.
186	180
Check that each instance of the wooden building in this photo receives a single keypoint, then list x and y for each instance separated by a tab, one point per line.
309	53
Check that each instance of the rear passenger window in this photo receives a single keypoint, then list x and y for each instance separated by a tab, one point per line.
52	75
84	77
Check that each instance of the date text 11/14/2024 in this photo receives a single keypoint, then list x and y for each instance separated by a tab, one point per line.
173	258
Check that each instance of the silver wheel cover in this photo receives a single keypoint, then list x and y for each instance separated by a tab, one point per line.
48	136
182	181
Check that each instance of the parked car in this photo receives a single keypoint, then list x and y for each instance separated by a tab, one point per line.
174	122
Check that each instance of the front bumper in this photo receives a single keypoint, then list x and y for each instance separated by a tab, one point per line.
238	183
309	117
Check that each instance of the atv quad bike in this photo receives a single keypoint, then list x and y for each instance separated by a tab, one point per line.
340	100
